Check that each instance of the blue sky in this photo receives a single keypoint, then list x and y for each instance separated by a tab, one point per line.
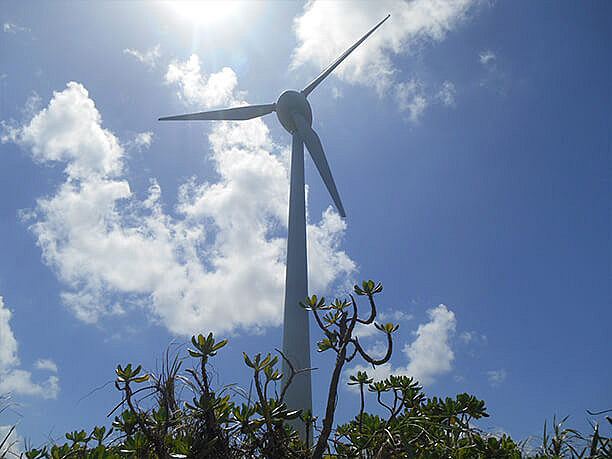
470	142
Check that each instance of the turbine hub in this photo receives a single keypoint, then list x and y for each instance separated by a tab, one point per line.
291	102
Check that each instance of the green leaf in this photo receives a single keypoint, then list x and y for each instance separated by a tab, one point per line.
219	345
141	379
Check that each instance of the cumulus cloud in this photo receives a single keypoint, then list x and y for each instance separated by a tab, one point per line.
429	355
14	380
69	131
150	57
195	88
20	382
216	264
8	343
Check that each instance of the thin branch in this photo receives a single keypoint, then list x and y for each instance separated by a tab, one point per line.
291	376
370	319
369	359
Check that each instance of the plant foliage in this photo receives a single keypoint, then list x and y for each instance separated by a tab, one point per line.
212	423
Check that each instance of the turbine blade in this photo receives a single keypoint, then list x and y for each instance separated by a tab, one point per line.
237	113
308	89
313	143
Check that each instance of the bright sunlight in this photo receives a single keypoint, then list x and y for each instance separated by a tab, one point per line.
208	11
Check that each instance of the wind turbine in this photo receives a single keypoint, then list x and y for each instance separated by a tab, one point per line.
295	115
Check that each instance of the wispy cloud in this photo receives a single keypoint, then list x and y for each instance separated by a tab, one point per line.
496	377
446	95
149	57
487	57
494	75
46	364
9	27
411	98
141	141
326	29
472	337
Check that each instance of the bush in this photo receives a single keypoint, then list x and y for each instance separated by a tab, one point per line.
212	424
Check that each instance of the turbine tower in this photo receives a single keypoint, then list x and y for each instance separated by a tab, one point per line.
295	115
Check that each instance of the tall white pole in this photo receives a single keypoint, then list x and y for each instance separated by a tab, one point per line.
296	333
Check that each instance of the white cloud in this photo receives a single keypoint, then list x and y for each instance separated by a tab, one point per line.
494	75
411	97
472	337
364	331
496	377
394	316
325	259
14	380
149	57
377	350
46	364
429	355
446	95
487	57
141	141
467	336
69	130
19	382
326	29
218	264
9	27
196	88
8	343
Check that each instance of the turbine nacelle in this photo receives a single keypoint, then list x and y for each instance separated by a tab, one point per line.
294	114
289	104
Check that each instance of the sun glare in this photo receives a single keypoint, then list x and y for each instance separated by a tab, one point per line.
206	11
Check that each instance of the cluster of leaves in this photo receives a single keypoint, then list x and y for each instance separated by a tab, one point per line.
416	426
213	424
565	442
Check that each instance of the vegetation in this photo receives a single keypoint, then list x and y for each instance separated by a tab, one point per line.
151	421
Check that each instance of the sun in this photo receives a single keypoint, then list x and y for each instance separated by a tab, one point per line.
206	12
